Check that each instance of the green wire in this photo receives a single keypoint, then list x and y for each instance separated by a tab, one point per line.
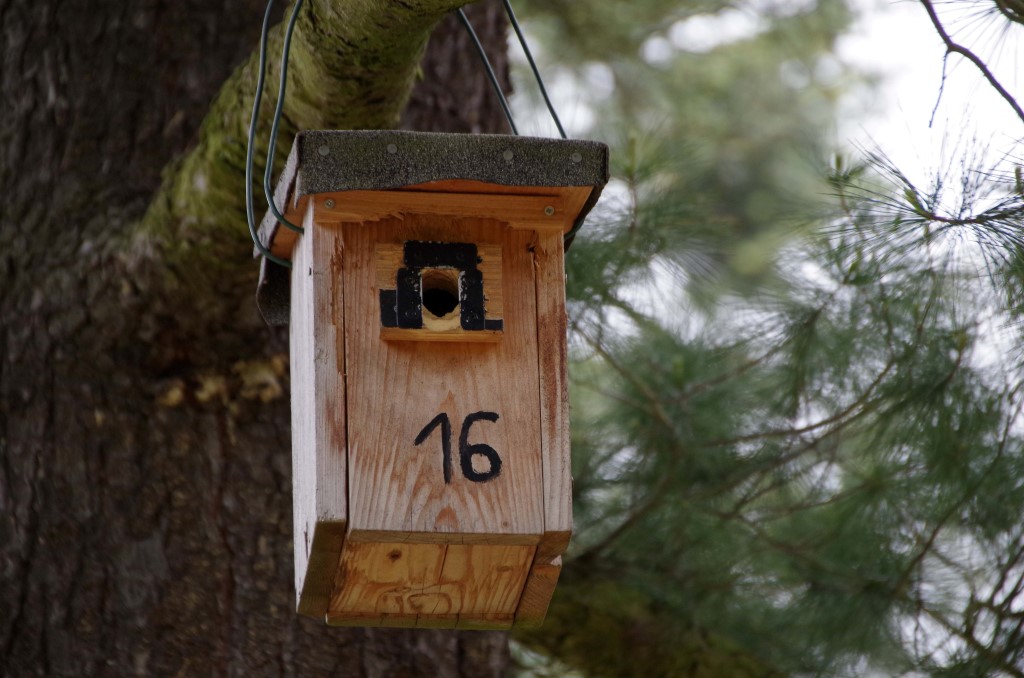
544	92
267	183
252	137
536	74
275	125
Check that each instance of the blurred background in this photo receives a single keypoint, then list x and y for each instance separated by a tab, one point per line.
796	332
796	335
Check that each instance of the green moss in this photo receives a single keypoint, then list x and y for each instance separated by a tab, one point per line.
351	67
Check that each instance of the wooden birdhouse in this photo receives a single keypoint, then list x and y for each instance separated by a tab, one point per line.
426	303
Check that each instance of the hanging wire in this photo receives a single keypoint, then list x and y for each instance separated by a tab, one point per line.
252	137
567	238
268	173
286	48
536	74
490	71
533	67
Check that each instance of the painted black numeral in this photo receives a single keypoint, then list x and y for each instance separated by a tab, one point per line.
467	450
446	441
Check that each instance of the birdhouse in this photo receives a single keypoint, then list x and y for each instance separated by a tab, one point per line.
426	304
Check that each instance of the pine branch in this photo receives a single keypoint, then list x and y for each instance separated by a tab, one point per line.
954	47
981	648
1012	10
650	503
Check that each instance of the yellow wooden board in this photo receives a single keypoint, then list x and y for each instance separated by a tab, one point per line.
537	592
429	585
540	208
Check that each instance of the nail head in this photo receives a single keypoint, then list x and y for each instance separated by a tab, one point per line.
328	203
508	155
549	210
392	149
576	157
323	150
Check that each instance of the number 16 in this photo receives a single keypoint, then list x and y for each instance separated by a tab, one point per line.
466	450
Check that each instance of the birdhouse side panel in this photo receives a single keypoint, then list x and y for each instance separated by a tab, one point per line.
552	330
444	438
537	592
549	258
318	416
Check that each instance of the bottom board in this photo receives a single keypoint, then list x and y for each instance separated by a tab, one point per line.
430	585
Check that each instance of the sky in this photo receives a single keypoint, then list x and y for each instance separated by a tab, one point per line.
915	116
919	129
893	39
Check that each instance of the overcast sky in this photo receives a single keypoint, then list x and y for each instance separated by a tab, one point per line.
897	40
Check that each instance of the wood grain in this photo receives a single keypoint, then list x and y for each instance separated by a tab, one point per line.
540	586
396	388
542	213
429	585
486	581
400	580
549	258
443	537
490	200
494	294
318	416
453	335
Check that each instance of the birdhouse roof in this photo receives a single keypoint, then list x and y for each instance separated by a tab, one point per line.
388	160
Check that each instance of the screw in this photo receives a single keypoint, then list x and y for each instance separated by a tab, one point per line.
508	155
328	203
549	210
323	150
576	157
392	149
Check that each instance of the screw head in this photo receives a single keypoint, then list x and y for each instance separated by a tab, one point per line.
323	150
392	149
328	203
549	210
576	157
508	155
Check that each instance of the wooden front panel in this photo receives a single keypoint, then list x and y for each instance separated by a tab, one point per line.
453	398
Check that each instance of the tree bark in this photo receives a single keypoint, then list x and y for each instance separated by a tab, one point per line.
145	491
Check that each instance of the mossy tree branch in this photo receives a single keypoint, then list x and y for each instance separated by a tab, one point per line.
352	65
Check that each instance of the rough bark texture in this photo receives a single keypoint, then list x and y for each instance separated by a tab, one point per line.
439	101
145	492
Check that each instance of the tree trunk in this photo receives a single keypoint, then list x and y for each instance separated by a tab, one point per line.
145	477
